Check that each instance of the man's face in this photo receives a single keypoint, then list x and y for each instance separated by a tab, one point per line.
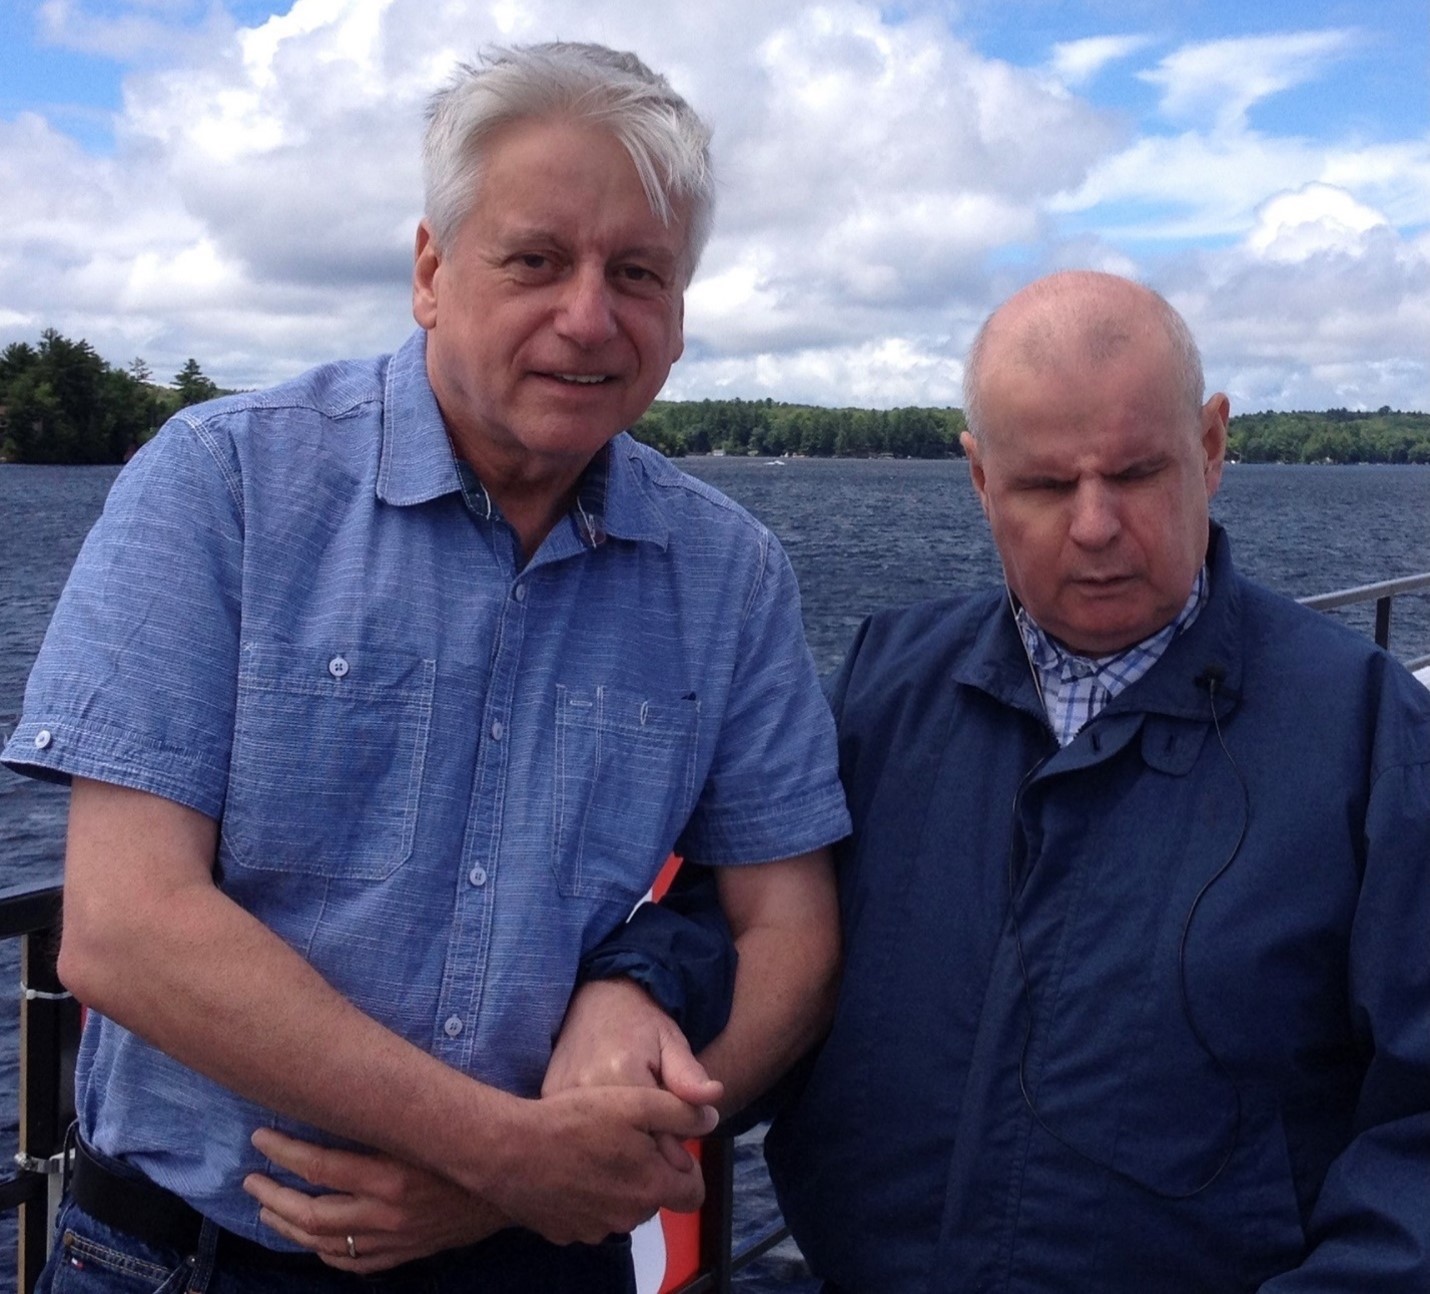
555	311
1095	480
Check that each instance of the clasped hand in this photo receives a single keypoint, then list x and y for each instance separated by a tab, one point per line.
600	1152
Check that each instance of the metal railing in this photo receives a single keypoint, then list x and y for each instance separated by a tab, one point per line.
49	1040
719	1259
1382	594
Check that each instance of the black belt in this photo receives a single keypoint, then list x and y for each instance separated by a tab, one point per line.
139	1208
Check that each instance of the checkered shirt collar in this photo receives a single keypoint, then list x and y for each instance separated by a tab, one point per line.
1075	688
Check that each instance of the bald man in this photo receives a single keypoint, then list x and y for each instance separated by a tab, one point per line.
1136	995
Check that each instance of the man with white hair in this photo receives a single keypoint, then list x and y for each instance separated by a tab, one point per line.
385	693
1136	996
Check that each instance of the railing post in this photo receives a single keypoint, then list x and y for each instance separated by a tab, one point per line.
49	1041
717	1220
1382	621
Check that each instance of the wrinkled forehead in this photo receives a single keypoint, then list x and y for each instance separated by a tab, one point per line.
1062	394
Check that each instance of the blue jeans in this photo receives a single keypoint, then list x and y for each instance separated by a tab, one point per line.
91	1258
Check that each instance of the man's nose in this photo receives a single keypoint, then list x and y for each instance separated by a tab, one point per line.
587	315
1096	520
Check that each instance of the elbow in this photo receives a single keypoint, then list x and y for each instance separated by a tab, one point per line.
79	966
91	961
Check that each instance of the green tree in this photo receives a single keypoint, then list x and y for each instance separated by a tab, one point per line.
193	387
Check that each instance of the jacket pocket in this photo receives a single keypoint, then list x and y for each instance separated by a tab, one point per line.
625	771
328	750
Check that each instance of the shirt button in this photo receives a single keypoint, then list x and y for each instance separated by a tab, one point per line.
453	1026
519	593
338	667
497	730
477	876
42	739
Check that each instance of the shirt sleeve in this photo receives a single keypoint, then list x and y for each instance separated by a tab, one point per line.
773	788
134	682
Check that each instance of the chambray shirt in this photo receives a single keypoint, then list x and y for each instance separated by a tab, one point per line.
440	775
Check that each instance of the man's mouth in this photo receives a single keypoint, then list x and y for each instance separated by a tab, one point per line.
1101	582
582	379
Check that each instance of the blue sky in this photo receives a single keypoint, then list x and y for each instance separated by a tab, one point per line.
237	181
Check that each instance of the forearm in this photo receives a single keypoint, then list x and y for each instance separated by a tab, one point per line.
171	958
786	980
151	943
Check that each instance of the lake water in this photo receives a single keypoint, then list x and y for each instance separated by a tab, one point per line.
860	534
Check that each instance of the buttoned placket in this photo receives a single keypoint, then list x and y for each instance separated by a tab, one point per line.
455	1035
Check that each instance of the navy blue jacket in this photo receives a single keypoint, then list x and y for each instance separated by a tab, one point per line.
1192	1052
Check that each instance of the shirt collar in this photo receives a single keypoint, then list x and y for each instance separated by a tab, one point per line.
587	513
417	463
1074	688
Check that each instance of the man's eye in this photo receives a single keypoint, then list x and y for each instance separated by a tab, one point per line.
1141	472
638	276
533	261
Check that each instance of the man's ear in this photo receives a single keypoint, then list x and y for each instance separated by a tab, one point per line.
426	261
1216	413
975	469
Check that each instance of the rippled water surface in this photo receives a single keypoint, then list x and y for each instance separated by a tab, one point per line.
861	535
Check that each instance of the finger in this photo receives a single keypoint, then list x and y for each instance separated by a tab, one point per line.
322	1217
311	1214
684	1076
664	1112
685	1191
319	1165
675	1153
375	1253
325	1246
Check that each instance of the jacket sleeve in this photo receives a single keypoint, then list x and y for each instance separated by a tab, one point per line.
680	951
1369	1228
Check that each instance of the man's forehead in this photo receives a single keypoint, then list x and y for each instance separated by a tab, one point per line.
513	212
1119	431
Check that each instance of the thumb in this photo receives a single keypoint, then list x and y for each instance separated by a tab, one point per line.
684	1076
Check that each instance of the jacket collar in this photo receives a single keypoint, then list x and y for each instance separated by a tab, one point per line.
1204	662
1178	685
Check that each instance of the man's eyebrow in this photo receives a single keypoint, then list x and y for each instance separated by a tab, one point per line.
524	234
648	252
1143	463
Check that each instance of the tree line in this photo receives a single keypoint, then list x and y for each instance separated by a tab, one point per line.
774	429
61	403
766	427
1335	436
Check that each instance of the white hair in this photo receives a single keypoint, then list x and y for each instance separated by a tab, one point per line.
667	141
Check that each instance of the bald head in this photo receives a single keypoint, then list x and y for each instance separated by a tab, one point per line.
1080	319
1093	456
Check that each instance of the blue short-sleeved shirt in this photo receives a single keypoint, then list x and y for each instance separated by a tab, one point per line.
440	775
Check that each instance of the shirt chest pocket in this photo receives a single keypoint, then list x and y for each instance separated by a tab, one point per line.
625	785
328	751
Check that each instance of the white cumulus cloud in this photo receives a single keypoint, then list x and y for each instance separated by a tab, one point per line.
883	182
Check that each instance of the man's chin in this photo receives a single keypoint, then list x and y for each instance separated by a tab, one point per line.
1103	635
